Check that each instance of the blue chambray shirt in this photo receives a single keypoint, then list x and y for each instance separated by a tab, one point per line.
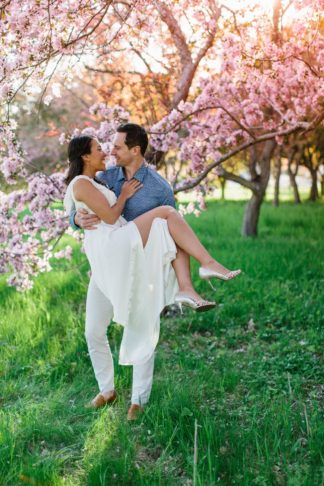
155	192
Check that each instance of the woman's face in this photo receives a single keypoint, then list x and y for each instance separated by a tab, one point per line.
96	158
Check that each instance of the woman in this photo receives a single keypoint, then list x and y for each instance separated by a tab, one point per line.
130	262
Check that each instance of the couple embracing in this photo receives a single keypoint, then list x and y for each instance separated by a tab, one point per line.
138	247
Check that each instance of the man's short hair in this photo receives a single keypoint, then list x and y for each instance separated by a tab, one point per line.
135	136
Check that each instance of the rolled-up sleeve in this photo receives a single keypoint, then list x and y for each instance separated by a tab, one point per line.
168	198
71	220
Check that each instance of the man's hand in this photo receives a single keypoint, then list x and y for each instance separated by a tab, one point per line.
86	220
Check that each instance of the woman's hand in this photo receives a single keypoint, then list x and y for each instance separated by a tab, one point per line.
130	187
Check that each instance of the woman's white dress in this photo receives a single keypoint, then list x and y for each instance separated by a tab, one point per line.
139	282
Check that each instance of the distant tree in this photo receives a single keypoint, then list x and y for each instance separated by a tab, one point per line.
277	173
312	157
292	168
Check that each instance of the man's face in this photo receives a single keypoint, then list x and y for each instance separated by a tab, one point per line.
123	155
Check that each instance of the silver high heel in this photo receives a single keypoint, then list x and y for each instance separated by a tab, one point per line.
202	305
207	274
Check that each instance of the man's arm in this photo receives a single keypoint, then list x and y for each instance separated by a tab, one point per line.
71	220
81	219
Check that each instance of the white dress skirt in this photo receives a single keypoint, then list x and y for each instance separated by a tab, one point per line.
139	282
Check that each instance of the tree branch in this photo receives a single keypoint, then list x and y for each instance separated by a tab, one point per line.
112	71
142	58
236	27
200	110
188	65
310	67
317	120
183	186
87	34
236	178
176	32
211	37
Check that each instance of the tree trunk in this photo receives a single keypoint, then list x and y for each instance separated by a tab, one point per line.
293	173
251	215
277	182
322	185
276	15
222	181
252	210
292	178
313	195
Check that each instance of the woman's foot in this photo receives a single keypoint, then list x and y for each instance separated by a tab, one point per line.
190	292
214	269
192	299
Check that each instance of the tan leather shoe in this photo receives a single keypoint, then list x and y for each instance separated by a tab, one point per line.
100	400
134	411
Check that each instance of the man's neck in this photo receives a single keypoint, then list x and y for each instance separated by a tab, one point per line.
132	168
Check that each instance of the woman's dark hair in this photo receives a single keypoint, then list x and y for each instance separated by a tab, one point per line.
135	135
78	147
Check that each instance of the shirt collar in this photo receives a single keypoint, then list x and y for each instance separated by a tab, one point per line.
139	174
121	175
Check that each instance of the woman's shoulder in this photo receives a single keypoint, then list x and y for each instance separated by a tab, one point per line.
81	177
73	191
83	183
78	178
80	185
83	180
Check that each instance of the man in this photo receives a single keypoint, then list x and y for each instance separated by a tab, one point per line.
129	146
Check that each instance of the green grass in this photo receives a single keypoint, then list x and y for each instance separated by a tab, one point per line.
250	372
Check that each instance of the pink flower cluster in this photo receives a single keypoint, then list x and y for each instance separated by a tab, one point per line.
263	87
33	32
29	224
11	156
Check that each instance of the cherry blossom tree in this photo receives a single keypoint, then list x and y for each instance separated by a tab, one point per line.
269	89
269	74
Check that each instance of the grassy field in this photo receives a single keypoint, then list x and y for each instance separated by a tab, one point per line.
249	374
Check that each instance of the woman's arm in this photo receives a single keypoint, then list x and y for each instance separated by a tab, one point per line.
84	191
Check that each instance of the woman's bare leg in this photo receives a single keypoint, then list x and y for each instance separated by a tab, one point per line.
181	266
182	234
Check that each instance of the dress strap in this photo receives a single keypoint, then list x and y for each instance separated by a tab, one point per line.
81	177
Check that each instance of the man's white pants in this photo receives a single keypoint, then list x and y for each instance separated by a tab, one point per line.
99	314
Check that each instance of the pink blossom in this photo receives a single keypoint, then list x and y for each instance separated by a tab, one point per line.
64	253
